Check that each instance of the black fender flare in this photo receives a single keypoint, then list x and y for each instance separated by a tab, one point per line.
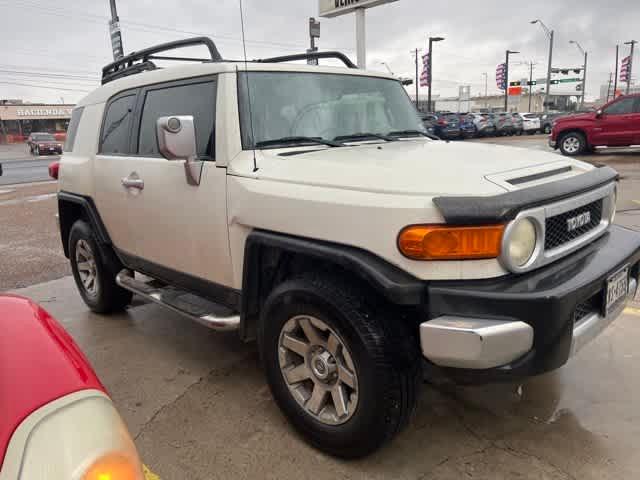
391	282
68	206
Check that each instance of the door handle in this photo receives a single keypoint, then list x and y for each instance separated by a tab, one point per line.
129	182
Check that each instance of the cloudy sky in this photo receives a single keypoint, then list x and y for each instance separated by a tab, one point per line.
54	51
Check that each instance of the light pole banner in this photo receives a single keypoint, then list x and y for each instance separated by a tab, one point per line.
424	77
334	8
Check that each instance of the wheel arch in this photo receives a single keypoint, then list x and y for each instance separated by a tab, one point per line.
568	130
270	258
72	207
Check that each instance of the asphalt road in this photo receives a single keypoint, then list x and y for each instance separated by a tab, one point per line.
26	170
199	408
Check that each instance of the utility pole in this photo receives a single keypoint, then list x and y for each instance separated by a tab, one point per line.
632	43
531	64
114	32
615	83
506	79
486	89
431	40
584	71
417	82
361	37
609	87
550	35
314	32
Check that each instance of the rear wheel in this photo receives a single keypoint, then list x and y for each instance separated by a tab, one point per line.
93	275
344	373
547	129
573	143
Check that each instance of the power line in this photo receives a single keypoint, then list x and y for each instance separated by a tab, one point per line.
52	75
44	86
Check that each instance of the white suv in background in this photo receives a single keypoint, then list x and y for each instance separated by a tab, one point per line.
530	122
306	208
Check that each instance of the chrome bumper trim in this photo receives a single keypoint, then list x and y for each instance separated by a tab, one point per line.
473	343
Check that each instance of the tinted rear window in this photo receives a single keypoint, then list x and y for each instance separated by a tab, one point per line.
117	125
76	115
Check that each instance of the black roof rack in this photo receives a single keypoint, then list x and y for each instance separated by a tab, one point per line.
141	61
127	66
309	56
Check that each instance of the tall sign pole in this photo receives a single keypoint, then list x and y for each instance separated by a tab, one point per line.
314	32
114	32
417	82
615	81
334	8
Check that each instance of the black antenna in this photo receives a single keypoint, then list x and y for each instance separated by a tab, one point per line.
246	76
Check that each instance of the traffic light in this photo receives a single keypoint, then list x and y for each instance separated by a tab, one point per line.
514	84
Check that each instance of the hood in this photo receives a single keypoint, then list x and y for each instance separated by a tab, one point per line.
412	167
572	118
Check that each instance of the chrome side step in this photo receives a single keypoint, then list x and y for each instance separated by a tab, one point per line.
201	310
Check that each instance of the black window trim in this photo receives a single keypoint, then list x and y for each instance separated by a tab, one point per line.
114	98
137	118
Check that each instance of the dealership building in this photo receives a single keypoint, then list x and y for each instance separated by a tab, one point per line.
18	119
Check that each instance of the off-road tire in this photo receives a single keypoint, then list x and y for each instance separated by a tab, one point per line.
108	297
384	351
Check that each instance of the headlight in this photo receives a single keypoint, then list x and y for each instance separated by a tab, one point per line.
521	242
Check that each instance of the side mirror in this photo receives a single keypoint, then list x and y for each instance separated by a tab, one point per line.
177	141
599	113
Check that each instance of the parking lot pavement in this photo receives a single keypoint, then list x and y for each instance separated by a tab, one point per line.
199	408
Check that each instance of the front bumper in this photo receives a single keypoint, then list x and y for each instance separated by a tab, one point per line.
553	143
527	324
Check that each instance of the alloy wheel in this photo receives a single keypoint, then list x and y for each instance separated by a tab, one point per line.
86	265
318	369
571	144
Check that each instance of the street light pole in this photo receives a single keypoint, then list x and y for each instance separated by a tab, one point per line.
530	82
506	79
550	35
431	40
417	83
630	70
114	32
486	88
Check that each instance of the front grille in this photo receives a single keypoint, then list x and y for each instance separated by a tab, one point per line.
587	307
557	230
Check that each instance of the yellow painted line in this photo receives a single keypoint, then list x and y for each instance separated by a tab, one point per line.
148	474
632	311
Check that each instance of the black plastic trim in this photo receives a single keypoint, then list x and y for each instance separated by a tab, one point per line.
91	212
539	176
215	292
505	207
309	56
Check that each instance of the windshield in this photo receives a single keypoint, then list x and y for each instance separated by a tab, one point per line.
321	105
44	137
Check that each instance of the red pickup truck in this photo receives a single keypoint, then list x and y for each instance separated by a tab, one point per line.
616	124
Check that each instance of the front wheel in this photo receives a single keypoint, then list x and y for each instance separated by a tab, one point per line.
572	144
345	374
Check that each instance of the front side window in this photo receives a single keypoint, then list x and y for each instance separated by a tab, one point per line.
117	125
195	99
621	107
276	105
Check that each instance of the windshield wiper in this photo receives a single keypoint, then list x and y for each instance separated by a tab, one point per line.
365	136
298	139
412	133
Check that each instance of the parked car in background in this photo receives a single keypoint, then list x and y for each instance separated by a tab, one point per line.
504	123
44	143
518	124
547	119
530	122
447	126
57	419
616	124
484	124
467	126
429	121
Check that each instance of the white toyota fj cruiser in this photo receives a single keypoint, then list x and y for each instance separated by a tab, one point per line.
307	208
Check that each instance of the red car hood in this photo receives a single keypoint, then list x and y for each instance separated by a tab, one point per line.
579	116
39	363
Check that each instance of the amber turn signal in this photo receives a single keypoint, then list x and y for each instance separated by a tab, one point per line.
441	242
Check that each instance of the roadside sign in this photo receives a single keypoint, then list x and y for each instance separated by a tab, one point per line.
334	8
568	80
116	39
515	91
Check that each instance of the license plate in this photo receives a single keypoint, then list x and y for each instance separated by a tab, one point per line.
51	149
617	289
